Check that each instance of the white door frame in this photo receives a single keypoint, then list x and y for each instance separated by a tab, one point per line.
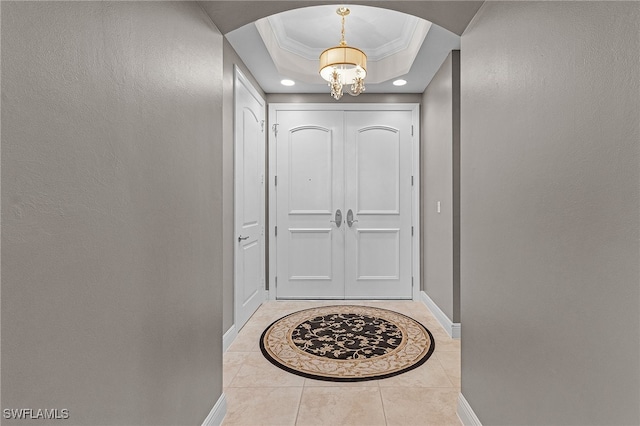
241	80
415	190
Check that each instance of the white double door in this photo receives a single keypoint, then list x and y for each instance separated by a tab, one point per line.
344	186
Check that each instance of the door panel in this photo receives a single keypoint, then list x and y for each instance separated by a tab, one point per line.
249	150
310	170
310	174
310	254
378	189
249	201
250	258
377	254
377	173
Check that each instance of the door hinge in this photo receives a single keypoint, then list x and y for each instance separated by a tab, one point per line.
276	230
411	282
275	128
412	231
412	130
262	126
276	281
411	180
276	179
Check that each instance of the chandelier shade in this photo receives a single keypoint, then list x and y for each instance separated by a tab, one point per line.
350	63
343	65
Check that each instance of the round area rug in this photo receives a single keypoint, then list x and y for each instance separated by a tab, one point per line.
347	343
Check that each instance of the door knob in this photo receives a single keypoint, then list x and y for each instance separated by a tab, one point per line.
338	220
350	220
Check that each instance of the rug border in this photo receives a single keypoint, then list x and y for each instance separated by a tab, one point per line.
273	361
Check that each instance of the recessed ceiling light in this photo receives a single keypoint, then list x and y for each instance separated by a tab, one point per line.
287	82
400	82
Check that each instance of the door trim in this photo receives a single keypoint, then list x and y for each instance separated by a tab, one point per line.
240	79
415	190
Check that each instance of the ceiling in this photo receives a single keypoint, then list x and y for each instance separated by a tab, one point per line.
287	46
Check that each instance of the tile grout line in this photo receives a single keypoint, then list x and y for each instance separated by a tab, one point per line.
445	371
237	371
384	412
451	379
295	422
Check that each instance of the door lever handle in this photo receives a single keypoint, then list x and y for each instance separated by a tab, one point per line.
350	220
240	238
338	220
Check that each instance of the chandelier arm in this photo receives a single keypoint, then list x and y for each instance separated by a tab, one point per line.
357	87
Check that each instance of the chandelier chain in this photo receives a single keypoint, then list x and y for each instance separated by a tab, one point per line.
343	11
344	66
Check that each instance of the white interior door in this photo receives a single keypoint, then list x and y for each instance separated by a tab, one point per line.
310	188
335	160
378	192
249	284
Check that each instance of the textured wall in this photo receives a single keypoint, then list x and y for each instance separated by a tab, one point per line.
550	199
111	211
440	131
230	59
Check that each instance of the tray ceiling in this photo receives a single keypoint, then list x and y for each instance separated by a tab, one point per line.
287	46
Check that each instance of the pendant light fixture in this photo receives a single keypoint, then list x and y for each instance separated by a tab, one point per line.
343	65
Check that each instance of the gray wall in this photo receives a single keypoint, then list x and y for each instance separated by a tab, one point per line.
550	199
111	211
440	231
230	59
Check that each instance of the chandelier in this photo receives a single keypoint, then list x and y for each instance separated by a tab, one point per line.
343	65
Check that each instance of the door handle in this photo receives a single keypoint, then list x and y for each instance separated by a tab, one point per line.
350	220
338	220
240	238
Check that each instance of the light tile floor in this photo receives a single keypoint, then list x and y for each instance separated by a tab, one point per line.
258	393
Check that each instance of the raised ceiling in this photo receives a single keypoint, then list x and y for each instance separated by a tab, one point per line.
287	46
308	31
283	39
295	39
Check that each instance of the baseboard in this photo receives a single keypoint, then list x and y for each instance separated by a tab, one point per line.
452	328
229	337
465	412
455	330
217	413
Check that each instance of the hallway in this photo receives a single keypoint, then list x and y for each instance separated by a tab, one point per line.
259	393
118	217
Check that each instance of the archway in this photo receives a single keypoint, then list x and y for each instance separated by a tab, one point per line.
452	15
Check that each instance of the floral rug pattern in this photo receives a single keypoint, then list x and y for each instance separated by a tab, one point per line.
347	343
347	336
